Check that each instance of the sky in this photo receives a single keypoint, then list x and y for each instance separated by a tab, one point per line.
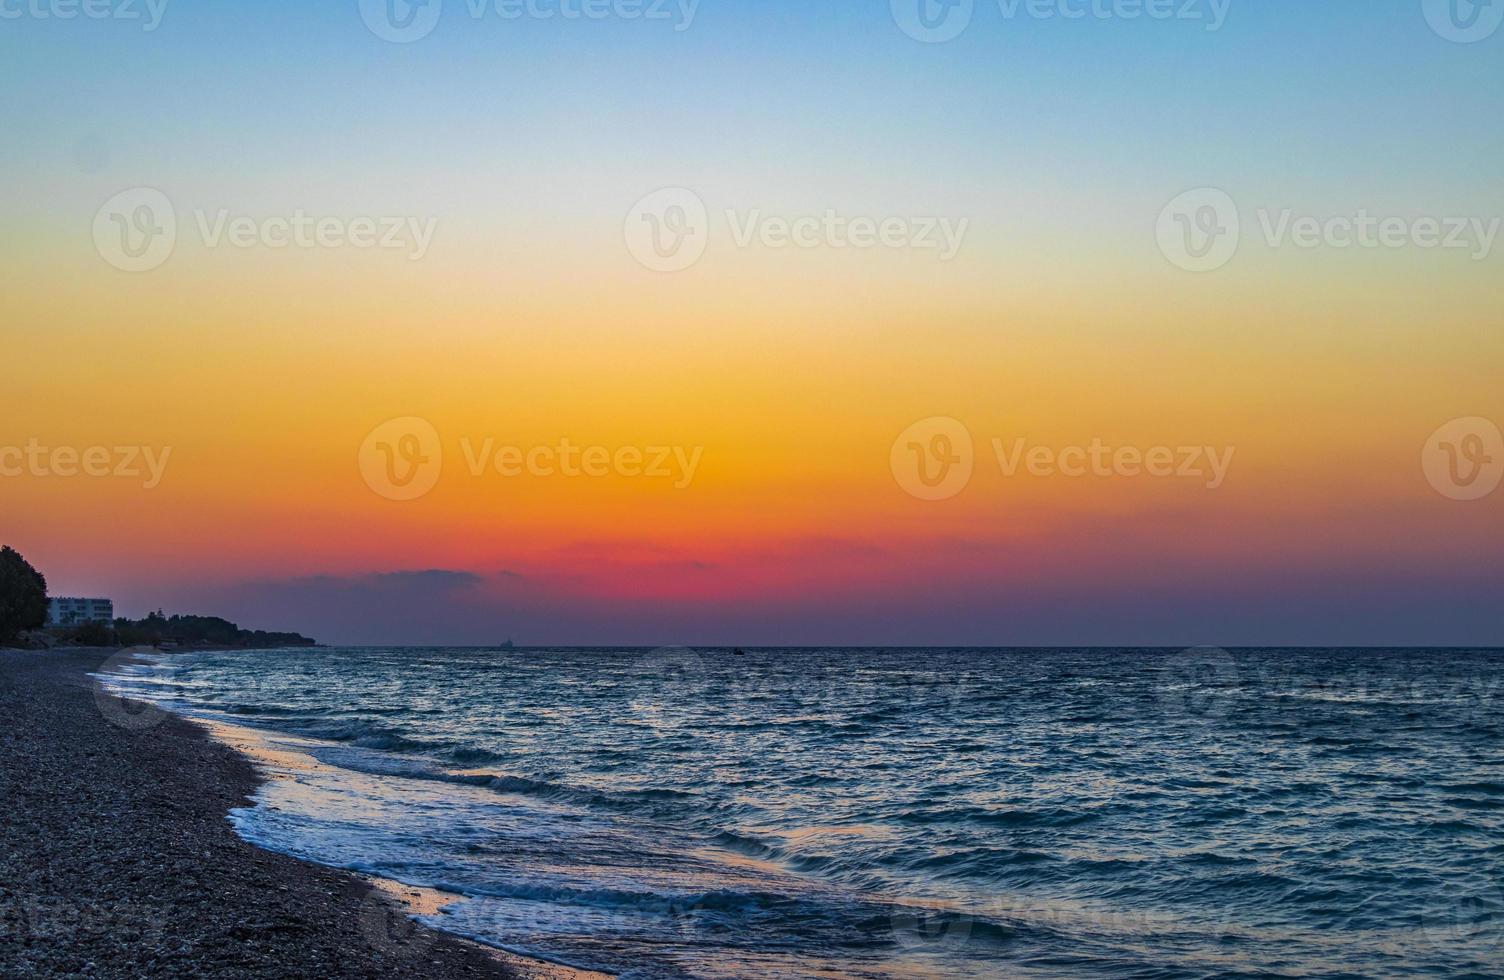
640	232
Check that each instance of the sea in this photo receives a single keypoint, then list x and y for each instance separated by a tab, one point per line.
1136	814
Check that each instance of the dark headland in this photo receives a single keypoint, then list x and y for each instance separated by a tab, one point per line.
117	860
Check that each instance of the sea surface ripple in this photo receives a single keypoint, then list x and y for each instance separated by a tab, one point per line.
899	813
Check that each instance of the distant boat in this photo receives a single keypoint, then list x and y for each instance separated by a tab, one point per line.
739	652
508	645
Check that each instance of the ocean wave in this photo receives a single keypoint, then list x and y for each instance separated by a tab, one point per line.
1019	817
750	846
598	812
526	786
370	735
469	755
430	770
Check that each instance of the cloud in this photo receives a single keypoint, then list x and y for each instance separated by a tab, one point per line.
435	579
440	579
813	591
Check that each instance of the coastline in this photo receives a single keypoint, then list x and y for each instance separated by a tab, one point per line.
117	857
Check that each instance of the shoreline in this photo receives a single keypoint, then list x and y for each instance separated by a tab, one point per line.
117	857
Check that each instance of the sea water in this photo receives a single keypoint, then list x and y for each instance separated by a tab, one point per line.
898	813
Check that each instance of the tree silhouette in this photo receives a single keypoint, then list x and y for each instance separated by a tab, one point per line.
23	595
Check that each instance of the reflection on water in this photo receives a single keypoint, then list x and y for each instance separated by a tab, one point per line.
898	813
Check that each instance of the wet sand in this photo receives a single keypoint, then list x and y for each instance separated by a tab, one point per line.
116	858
